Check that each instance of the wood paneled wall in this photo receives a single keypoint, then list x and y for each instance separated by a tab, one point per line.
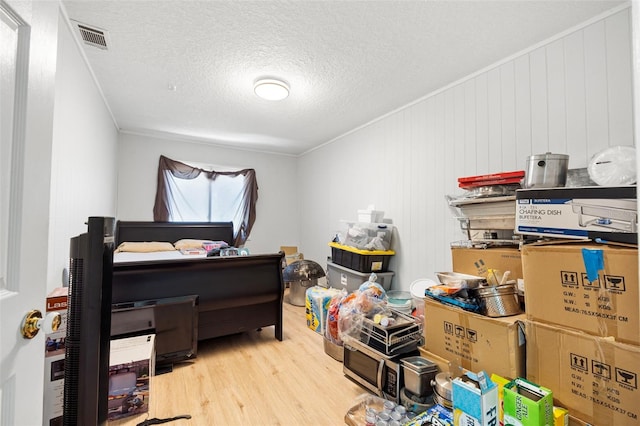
570	95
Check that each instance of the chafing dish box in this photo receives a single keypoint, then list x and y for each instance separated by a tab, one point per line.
608	213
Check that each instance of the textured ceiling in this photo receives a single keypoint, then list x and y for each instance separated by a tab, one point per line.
347	62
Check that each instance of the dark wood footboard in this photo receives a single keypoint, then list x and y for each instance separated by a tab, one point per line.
236	293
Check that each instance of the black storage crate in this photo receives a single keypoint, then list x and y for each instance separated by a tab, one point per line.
354	259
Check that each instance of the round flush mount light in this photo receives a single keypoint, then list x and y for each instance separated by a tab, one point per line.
271	89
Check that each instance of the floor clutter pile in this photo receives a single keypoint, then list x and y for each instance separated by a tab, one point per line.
542	329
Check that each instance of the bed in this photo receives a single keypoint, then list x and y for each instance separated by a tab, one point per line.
236	293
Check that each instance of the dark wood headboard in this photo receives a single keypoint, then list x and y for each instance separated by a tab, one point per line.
173	231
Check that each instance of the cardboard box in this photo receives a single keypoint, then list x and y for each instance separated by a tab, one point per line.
574	421
595	378
527	404
54	356
131	365
603	212
291	254
475	342
442	363
559	291
316	306
478	261
475	400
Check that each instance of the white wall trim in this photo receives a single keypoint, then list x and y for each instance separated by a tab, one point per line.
197	140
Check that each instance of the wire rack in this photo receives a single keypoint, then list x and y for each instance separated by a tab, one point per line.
404	335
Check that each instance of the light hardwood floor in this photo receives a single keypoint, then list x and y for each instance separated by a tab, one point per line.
253	379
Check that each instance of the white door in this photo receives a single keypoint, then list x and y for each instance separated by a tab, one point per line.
28	44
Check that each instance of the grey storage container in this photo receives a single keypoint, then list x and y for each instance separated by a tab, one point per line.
418	374
340	277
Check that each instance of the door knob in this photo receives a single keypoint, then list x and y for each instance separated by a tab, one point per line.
33	322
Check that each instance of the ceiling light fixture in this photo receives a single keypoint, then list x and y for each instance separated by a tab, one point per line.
271	89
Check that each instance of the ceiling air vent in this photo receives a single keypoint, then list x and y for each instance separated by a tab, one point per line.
93	36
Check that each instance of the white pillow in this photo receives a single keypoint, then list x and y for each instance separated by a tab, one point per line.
190	244
144	247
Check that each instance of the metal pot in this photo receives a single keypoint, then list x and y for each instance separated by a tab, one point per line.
442	389
546	170
498	301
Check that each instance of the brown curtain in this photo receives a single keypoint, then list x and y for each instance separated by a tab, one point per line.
171	169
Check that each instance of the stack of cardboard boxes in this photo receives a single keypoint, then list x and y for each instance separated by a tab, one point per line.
581	321
583	330
476	342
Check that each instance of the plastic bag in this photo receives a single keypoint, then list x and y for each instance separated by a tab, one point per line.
356	414
333	313
445	289
369	300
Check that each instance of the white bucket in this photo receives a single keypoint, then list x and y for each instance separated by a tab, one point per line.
417	289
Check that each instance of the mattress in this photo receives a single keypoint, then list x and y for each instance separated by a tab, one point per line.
124	257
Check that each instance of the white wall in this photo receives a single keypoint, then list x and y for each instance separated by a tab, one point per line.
83	166
570	95
278	204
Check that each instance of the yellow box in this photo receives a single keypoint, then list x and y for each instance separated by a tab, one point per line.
500	381
560	416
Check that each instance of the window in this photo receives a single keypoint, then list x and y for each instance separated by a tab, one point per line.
192	194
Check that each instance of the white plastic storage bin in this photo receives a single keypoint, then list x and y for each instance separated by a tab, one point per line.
368	236
341	277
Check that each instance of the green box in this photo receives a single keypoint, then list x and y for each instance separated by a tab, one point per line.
527	404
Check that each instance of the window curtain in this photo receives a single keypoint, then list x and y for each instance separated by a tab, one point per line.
167	194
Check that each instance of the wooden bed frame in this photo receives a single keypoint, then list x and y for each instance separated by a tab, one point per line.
236	293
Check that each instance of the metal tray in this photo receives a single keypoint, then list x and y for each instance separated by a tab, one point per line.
488	222
488	228
489	207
